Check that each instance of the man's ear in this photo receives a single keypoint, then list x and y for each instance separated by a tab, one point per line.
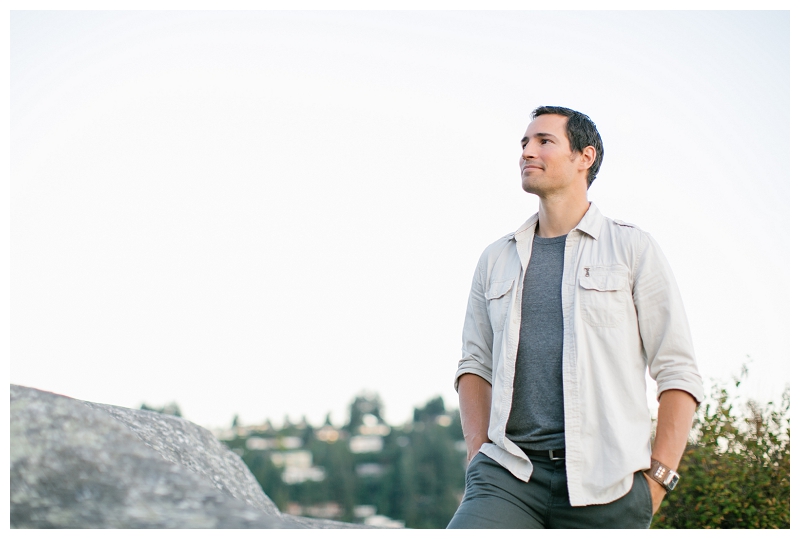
588	155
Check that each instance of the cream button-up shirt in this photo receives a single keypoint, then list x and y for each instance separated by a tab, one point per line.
623	314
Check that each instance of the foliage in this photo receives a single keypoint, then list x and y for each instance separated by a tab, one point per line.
736	473
432	409
364	404
422	477
168	409
434	476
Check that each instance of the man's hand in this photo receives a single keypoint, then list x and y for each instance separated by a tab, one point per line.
475	402
657	493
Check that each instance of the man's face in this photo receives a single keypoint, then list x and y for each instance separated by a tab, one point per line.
547	164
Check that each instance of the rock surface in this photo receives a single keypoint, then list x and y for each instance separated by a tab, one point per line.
77	464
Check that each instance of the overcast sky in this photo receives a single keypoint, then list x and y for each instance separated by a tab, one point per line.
265	213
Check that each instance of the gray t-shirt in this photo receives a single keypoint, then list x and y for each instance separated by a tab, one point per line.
537	404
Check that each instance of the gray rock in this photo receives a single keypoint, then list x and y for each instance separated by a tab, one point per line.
77	464
181	442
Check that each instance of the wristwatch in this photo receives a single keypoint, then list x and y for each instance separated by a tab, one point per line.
663	475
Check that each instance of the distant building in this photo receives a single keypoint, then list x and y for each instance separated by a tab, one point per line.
241	431
366	444
327	434
290	442
379	430
370	469
383	522
322	510
257	443
364	511
297	467
294	508
291	476
292	459
367	514
372	425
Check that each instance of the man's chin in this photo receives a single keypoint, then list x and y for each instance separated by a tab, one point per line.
528	188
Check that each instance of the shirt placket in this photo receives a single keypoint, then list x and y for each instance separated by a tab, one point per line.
524	252
570	368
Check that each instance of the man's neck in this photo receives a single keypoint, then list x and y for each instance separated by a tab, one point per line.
559	215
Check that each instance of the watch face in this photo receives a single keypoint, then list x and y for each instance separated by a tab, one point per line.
671	481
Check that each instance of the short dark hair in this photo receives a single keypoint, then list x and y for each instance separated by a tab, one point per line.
581	133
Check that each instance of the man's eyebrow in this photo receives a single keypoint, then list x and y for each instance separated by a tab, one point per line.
537	135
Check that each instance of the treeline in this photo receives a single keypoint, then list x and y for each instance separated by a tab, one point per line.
414	476
734	474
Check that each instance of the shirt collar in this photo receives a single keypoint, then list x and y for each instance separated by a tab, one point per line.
592	221
591	224
527	227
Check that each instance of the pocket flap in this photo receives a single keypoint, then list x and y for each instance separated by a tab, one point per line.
604	282
498	289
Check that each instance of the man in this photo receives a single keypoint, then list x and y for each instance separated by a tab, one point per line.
564	317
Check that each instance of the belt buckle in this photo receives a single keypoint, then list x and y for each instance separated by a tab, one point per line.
550	453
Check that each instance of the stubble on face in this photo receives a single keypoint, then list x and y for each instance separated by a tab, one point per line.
547	163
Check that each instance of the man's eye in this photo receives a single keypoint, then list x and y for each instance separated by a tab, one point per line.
544	140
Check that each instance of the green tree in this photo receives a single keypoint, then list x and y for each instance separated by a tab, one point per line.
366	403
340	483
171	408
268	476
430	411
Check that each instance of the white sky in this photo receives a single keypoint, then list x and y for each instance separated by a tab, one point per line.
264	213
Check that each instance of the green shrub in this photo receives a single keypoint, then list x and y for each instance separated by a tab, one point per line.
735	474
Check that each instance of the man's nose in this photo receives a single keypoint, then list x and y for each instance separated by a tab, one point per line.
529	151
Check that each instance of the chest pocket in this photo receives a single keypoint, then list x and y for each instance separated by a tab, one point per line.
603	293
497	300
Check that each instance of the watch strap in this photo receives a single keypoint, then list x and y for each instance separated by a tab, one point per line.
663	475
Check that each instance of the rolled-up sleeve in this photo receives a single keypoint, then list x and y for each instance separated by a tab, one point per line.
477	337
663	324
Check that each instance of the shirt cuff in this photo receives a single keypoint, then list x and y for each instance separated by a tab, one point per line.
473	367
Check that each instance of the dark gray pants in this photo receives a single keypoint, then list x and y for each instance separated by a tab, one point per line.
496	499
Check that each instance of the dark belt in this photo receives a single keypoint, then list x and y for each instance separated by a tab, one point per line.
552	454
